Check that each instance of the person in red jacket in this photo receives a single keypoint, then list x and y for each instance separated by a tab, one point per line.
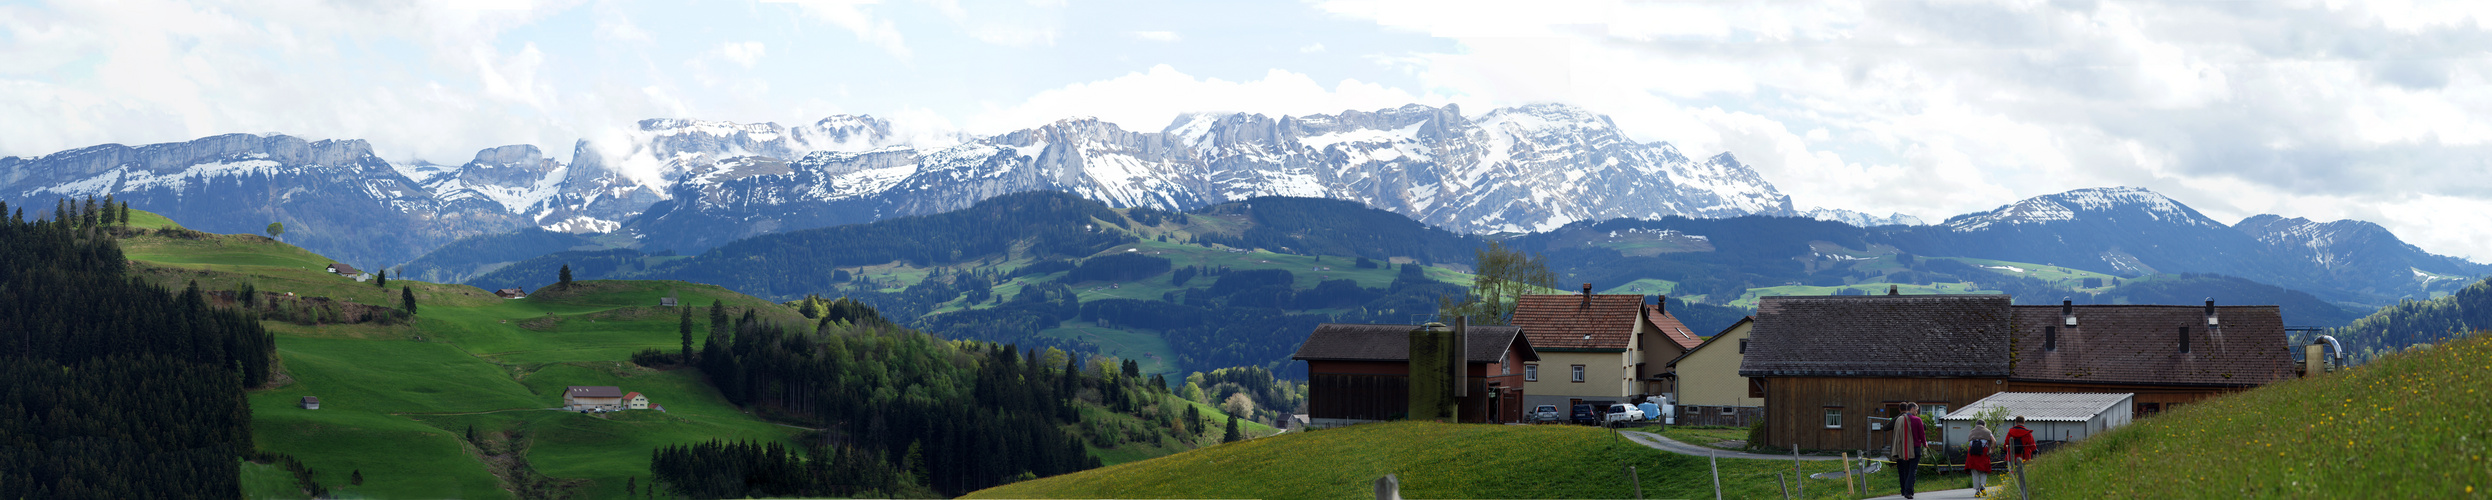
1981	447
2020	442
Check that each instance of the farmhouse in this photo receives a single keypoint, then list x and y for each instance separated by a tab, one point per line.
635	401
2052	416
666	302
1830	364
311	402
2168	355
1705	381
1360	373
1667	331
1592	347
341	269
511	293
596	397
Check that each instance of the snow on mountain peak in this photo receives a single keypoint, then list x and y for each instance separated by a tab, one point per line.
2070	205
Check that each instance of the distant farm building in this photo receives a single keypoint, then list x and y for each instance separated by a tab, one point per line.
1361	373
2061	417
666	301
311	402
341	269
593	397
511	293
1596	347
635	401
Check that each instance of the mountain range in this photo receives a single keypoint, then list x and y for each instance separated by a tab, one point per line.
686	186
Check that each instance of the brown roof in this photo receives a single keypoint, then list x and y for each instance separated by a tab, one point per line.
596	391
343	268
1671	328
1570	322
2140	344
1879	336
1365	342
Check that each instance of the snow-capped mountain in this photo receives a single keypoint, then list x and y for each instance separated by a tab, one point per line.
1861	219
2111	204
334	196
1511	170
2352	250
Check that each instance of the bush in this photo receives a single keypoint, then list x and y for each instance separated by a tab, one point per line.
1756	433
654	358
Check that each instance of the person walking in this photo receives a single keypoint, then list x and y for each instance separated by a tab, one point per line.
1977	456
2020	442
1909	438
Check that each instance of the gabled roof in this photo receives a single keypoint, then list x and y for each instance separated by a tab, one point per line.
631	395
1725	333
342	268
595	391
2140	344
1671	328
1367	342
1879	336
2043	406
1570	322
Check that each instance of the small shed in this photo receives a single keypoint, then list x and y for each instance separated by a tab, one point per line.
311	402
511	293
2052	416
666	301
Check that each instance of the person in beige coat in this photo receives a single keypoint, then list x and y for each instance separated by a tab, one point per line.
1979	461
1910	435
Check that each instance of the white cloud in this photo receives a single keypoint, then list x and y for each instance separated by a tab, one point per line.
1311	48
857	17
1157	36
742	53
1149	101
1935	109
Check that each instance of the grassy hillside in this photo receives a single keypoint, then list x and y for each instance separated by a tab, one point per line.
399	398
2411	425
1431	460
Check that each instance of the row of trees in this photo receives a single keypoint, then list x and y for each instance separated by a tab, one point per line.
115	388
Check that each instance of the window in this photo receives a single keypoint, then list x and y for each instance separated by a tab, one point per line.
1531	373
1756	388
1579	373
1834	418
2050	338
1743	346
2184	337
1505	363
1933	411
1729	411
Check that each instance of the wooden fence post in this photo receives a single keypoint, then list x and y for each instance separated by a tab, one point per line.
1795	470
1639	483
1717	474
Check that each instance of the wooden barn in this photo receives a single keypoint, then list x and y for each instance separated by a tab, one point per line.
1360	373
598	397
1828	365
2168	355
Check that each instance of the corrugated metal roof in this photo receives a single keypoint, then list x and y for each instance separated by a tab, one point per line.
2044	406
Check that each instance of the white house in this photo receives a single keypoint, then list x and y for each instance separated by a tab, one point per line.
2052	416
635	401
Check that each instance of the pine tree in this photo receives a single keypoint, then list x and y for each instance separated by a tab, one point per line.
631	486
355	478
407	296
686	329
124	212
381	279
1231	436
565	280
471	435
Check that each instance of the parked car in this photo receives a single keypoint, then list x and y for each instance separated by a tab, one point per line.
1622	413
1543	414
1583	415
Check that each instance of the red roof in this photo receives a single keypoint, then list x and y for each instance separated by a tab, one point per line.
1556	322
632	395
1671	327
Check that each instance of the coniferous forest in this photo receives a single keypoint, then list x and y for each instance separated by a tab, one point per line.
115	388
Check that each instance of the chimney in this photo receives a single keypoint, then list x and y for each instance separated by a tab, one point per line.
2210	312
1890	290
1587	295
1662	304
2068	312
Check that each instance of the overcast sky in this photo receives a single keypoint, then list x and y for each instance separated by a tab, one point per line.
2374	111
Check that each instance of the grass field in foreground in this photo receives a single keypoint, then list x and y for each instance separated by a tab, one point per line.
1432	460
2411	425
